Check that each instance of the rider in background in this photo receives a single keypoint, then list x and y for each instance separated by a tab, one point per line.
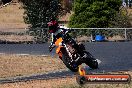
56	31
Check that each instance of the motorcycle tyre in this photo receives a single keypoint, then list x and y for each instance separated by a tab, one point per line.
65	61
91	61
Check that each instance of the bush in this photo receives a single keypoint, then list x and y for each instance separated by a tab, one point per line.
98	14
38	13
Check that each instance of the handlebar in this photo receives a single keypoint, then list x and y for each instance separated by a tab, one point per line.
70	30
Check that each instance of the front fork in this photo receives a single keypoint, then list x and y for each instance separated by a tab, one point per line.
60	52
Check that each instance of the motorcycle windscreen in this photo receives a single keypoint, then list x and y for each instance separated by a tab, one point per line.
58	41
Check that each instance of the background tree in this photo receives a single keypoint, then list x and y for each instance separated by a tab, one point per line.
97	14
38	13
94	13
5	1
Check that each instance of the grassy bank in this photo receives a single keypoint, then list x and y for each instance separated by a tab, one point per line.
17	65
11	16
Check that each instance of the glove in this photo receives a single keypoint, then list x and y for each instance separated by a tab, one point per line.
51	47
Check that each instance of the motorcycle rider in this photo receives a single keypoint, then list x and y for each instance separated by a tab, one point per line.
56	31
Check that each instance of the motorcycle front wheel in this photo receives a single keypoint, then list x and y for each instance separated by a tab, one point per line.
66	60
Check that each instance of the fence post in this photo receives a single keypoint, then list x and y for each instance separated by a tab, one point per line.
91	37
125	34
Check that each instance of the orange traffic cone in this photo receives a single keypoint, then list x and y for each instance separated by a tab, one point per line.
81	71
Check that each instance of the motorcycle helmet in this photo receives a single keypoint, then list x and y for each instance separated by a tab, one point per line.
52	25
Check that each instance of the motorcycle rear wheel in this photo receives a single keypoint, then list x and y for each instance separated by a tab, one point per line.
91	61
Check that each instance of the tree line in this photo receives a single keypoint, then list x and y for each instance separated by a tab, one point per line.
86	14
